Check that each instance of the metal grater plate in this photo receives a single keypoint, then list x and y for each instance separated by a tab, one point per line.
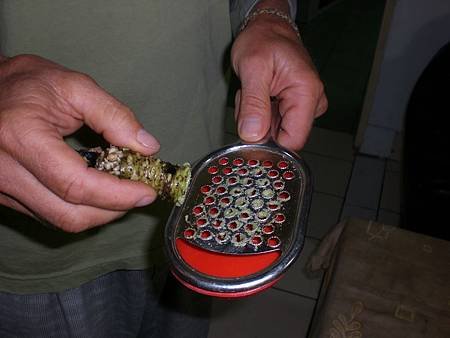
243	202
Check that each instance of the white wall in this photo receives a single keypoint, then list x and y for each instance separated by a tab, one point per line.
416	30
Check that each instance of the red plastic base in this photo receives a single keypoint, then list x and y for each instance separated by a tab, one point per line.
227	294
224	266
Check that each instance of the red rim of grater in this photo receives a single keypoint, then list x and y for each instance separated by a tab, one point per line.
228	240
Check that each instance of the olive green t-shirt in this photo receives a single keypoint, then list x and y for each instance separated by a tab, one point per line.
165	60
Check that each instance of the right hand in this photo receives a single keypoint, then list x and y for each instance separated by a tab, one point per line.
40	175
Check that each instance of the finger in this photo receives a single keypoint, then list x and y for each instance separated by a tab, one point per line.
254	110
237	104
64	172
297	119
10	202
322	106
109	117
30	195
102	112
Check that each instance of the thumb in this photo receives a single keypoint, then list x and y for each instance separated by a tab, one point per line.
254	113
109	117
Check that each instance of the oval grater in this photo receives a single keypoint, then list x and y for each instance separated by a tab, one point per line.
243	221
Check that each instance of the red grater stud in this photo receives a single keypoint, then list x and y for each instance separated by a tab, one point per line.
267	164
238	162
273	242
217	179
242	172
268	229
208	200
273	173
201	222
252	163
278	184
234	225
282	165
279	218
225	202
198	210
274	205
227	170
232	180
220	190
283	196
213	170
205	189
189	233
256	240
205	235
213	212
288	175
223	161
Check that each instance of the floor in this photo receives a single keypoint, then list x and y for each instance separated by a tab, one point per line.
345	185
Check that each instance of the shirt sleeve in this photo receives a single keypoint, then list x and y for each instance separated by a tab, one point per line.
239	9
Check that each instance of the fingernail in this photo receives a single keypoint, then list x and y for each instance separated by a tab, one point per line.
250	127
147	140
146	200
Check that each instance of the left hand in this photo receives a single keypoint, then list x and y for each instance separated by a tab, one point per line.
270	60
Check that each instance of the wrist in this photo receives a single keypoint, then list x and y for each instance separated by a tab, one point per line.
274	19
280	5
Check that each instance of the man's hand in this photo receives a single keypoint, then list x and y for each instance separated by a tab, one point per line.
40	103
270	60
